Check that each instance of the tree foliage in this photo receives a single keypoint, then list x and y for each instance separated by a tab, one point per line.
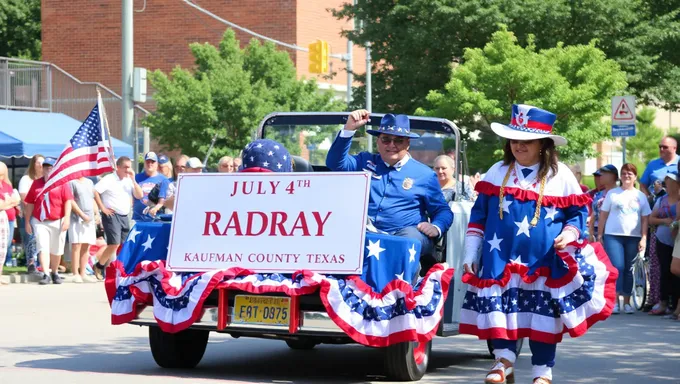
228	93
643	147
20	29
414	42
574	82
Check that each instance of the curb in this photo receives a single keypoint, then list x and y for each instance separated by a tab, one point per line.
24	278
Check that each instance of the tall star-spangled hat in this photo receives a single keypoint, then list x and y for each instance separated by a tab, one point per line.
265	155
397	125
529	123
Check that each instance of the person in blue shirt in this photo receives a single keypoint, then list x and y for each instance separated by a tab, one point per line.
143	209
658	168
405	198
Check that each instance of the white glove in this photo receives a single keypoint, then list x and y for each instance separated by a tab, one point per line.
473	244
567	236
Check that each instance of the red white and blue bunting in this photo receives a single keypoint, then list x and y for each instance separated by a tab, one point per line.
399	313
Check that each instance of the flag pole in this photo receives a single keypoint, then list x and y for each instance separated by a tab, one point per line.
106	121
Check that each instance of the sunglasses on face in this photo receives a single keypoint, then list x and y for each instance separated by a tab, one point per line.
663	147
395	140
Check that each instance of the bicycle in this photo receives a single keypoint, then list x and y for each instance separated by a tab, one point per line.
640	270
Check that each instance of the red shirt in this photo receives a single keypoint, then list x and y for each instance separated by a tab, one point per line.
57	198
6	191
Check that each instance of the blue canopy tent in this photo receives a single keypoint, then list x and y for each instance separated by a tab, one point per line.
24	134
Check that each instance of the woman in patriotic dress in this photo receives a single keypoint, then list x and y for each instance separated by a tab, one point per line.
536	276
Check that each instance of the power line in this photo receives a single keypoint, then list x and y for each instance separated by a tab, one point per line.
246	30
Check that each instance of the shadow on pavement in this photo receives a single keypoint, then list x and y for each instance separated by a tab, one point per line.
247	360
634	352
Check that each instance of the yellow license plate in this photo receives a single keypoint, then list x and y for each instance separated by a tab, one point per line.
261	310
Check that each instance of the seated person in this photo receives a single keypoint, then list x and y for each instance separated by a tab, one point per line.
256	157
444	166
404	192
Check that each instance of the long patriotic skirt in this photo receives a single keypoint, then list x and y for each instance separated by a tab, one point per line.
538	307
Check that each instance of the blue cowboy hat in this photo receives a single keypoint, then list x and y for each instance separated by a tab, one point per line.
396	125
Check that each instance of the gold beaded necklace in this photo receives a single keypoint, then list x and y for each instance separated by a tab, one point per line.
537	212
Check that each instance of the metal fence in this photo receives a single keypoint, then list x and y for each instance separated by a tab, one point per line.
40	86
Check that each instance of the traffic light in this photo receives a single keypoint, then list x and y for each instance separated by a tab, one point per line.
318	57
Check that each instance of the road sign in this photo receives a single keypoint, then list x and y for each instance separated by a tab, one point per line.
625	130
623	110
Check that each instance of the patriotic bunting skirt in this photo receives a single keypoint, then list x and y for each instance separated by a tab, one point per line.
519	305
399	313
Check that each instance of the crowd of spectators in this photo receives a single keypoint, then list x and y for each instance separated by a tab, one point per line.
630	215
635	216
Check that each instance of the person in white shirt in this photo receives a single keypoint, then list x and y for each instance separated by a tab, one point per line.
113	194
623	225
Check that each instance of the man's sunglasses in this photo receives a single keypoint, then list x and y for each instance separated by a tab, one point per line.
395	140
663	147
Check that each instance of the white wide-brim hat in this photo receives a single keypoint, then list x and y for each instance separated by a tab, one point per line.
529	123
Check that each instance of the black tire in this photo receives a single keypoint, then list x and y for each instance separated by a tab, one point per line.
184	349
520	343
407	361
301	344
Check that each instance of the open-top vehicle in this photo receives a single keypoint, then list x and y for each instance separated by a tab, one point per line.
302	309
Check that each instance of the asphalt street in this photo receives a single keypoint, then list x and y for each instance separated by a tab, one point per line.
63	334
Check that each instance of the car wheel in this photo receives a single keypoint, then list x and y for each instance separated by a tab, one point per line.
183	349
301	344
407	361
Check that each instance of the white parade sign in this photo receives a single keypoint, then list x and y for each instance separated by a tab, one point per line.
270	222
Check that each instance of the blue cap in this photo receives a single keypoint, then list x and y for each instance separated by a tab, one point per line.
151	156
49	161
597	173
609	168
162	159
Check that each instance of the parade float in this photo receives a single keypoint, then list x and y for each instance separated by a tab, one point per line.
291	256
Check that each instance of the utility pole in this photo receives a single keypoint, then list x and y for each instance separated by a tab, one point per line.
127	106
350	76
369	94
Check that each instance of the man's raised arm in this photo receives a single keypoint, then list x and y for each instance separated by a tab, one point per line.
338	158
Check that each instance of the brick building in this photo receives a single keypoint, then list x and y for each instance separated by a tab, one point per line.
84	37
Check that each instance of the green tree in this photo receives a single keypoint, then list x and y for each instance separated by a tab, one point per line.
414	42
576	83
20	29
228	93
643	147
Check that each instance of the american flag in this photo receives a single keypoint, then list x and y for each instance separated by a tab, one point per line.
89	153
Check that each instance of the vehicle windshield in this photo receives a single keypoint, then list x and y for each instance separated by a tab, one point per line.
312	142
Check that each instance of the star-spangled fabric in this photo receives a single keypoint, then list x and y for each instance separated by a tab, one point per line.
88	153
524	287
395	304
266	154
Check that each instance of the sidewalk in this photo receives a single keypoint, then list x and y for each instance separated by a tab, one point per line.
28	278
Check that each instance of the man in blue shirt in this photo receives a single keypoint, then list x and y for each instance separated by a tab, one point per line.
658	168
404	192
143	209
